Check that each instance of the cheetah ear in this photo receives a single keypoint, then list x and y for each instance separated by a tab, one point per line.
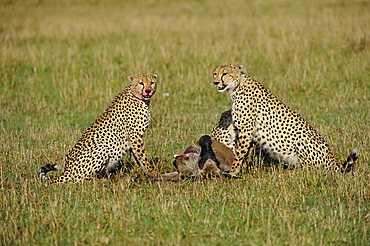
130	78
155	76
241	69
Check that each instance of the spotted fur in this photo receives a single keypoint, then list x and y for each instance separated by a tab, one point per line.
118	131
224	131
260	117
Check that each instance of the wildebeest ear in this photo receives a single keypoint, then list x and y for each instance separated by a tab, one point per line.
155	76
130	78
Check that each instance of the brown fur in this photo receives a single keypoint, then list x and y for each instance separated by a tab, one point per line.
187	167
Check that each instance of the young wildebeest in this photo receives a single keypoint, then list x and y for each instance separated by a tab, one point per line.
206	159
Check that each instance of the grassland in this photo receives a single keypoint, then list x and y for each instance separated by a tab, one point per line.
61	62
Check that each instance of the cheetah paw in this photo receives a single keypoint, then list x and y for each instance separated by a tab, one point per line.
230	175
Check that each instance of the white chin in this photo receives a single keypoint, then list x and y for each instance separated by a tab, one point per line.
222	89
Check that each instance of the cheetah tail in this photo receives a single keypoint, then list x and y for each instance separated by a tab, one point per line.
47	168
348	165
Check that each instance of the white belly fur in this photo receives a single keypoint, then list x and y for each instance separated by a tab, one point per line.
290	159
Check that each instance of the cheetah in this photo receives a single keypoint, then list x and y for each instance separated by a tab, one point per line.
117	132
224	131
260	117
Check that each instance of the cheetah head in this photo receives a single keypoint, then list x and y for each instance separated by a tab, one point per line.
143	86
227	77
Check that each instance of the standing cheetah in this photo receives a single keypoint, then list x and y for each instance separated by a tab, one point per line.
260	117
118	131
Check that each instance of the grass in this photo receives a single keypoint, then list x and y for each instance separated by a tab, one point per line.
62	62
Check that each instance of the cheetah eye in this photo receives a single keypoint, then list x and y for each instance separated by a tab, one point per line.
152	82
141	83
224	74
214	75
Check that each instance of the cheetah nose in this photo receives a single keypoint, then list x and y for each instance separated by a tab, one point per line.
216	83
147	91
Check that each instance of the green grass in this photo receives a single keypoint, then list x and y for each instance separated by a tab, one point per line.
62	62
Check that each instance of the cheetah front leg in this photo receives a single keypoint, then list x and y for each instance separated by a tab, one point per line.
243	145
139	152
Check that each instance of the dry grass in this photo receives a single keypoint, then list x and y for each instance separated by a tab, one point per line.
61	64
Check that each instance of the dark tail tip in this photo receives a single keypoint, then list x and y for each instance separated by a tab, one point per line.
348	165
47	168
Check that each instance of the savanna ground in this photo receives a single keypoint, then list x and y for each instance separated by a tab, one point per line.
61	62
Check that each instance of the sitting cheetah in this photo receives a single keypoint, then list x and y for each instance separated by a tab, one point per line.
118	131
260	117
